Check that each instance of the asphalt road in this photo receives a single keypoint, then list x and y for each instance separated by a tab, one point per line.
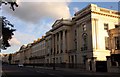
15	71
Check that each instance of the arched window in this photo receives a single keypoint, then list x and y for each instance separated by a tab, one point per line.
85	40
84	27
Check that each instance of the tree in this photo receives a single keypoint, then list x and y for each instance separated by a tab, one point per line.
6	31
12	3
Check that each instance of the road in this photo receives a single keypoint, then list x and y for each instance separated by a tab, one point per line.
15	71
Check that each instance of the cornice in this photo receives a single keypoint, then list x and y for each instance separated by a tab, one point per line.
105	14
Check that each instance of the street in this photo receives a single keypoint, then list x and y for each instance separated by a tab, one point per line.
15	71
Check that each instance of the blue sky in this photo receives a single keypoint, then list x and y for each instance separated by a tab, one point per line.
32	21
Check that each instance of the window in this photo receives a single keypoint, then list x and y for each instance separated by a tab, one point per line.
84	27
84	59
57	48
75	58
117	43
51	51
117	26
75	41
85	41
106	43
75	45
60	60
105	26
75	33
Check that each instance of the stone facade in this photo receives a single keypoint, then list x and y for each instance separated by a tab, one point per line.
113	61
4	58
38	51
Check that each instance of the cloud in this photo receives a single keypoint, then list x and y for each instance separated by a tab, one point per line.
43	28
18	40
30	20
14	41
24	38
18	1
76	9
34	11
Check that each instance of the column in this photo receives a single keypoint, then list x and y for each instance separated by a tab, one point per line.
93	59
65	56
94	33
55	43
52	44
64	41
88	65
59	42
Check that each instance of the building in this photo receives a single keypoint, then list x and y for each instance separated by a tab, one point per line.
27	54
92	25
48	52
58	42
113	61
38	52
22	56
4	58
80	42
16	58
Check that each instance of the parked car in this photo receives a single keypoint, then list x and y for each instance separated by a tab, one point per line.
20	65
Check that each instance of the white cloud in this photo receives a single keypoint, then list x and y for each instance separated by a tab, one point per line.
76	9
44	0
43	28
27	14
18	40
24	38
14	41
34	11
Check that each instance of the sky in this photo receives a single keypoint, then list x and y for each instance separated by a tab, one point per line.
33	19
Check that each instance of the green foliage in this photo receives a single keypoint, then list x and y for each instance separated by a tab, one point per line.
7	27
12	3
7	32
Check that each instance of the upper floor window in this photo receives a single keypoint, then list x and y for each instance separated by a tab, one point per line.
117	26
105	26
117	43
84	27
75	33
85	41
106	43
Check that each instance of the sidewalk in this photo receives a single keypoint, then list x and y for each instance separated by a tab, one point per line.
78	71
